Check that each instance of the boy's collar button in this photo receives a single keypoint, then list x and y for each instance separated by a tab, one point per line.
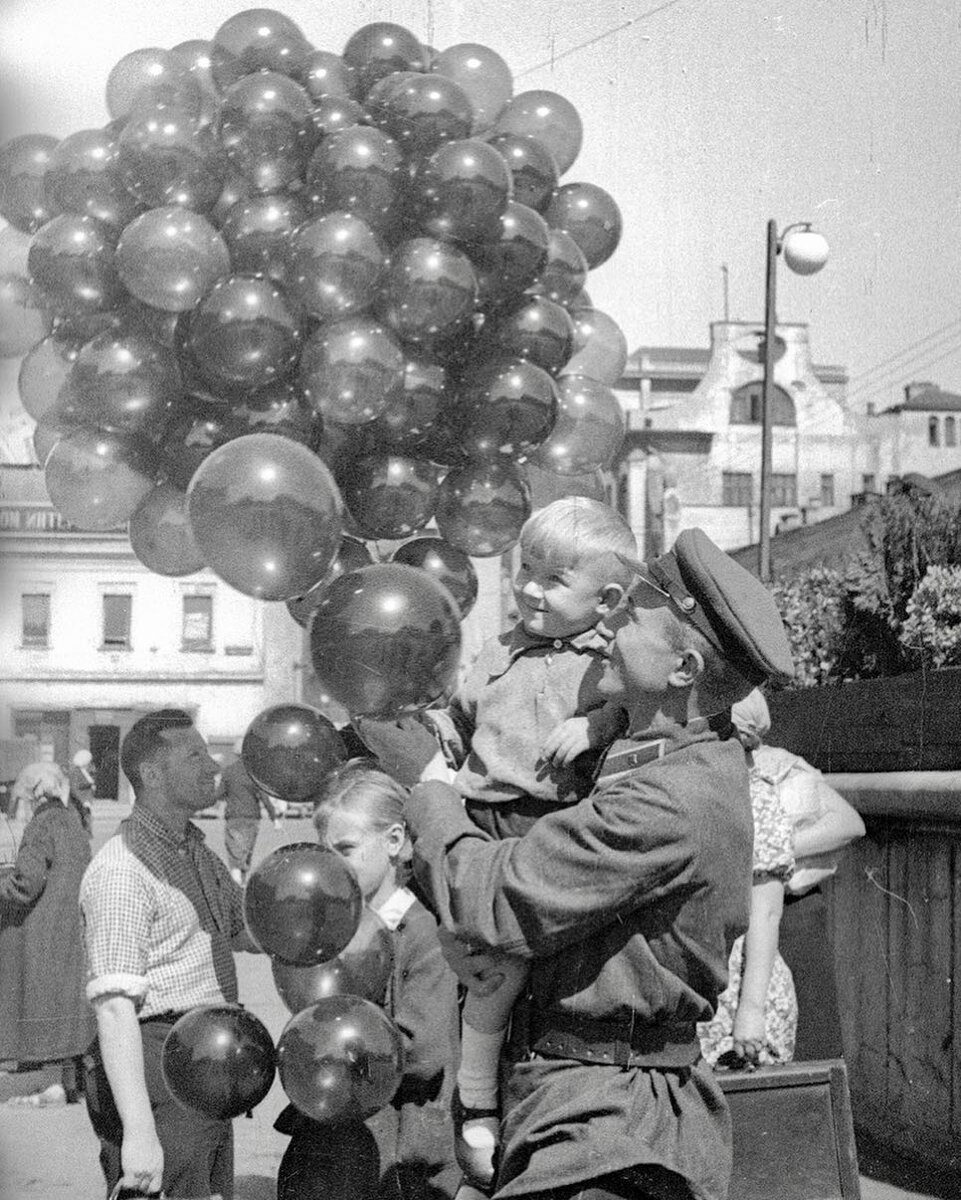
558	643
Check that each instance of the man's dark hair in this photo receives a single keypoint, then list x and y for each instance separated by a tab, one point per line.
144	739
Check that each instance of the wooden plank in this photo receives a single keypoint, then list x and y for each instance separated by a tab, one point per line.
954	970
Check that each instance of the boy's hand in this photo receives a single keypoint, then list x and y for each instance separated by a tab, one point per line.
477	970
566	740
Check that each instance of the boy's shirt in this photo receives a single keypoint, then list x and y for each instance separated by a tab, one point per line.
519	688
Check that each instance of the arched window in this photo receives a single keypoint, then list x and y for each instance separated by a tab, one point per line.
933	431
746	406
950	436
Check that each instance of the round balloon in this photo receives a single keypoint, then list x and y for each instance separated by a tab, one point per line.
508	265
169	257
482	506
98	480
192	433
389	496
195	55
326	75
125	380
24	200
219	1060
44	372
385	640
333	113
600	347
507	409
546	487
363	968
166	158
407	424
550	119
24	316
266	515
302	904
290	749
532	167
461	191
351	369
420	112
341	1059
150	79
357	170
446	563
71	260
257	39
429	291
535	329
351	555
377	50
277	408
590	215
562	276
83	178
160	534
264	129
335	264
257	230
589	430
482	73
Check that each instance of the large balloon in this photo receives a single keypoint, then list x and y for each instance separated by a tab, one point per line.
462	190
589	430
335	264
408	423
356	170
302	904
24	200
264	129
377	50
326	75
160	534
351	369
149	79
535	329
257	230
590	215
386	640
244	334
562	276
351	555
341	1059
546	487
547	117
192	433
44	372
83	178
533	170
266	515
71	260
98	480
257	39
195	55
124	380
165	158
600	347
363	968
332	114
448	565
482	506
24	316
218	1059
420	112
277	408
508	265
290	749
430	290
169	257
484	76
507	408
389	496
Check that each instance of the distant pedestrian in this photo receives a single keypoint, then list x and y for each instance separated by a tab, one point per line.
243	803
83	784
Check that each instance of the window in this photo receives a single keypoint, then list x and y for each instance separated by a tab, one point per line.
737	489
746	406
198	623
35	618
784	491
933	431
623	496
950	436
868	483
827	491
116	621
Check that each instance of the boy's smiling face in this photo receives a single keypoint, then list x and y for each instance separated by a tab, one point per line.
557	600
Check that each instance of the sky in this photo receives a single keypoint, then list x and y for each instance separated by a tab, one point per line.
702	118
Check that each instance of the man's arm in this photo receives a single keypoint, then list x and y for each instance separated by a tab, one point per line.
121	1048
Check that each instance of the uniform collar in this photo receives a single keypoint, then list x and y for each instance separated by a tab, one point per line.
626	755
521	642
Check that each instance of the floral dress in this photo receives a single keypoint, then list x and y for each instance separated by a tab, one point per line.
773	859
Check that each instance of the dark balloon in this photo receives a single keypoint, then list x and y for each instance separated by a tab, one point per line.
446	563
533	171
363	968
377	50
98	480
290	749
429	291
71	260
536	329
165	158
219	1060
389	496
385	640
257	39
408	423
235	188
333	113
356	170
160	534
341	1059
550	119
484	76
195	55
44	372
266	515
590	215
562	276
257	230
302	904
326	75
169	257
421	112
151	79
195	430
277	408
264	130
589	430
482	506
24	316
350	370
351	556
546	487
509	265
125	380
49	430
244	334
506	408
335	264
600	347
24	163
462	190
83	177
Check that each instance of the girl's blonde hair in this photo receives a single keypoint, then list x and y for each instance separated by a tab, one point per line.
575	529
360	787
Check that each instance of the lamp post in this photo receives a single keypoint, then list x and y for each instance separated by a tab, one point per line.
805	252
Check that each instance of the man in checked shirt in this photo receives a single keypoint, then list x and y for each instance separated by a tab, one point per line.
162	919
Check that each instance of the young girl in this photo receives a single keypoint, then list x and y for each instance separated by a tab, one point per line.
407	1149
756	1018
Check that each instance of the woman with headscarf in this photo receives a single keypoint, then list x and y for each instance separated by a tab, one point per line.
44	1015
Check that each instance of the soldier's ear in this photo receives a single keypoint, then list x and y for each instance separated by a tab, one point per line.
689	664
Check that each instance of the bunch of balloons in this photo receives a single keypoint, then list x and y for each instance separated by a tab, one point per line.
285	295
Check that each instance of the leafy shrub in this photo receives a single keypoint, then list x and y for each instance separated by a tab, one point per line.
931	630
813	607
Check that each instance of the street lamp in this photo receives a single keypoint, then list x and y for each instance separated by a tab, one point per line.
805	252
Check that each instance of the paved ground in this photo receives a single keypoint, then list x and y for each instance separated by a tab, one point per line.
51	1154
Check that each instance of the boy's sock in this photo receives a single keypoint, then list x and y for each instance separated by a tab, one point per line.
477	1135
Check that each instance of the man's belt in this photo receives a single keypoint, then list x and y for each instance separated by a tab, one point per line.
616	1043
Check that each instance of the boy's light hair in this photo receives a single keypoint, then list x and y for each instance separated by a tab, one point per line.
576	529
